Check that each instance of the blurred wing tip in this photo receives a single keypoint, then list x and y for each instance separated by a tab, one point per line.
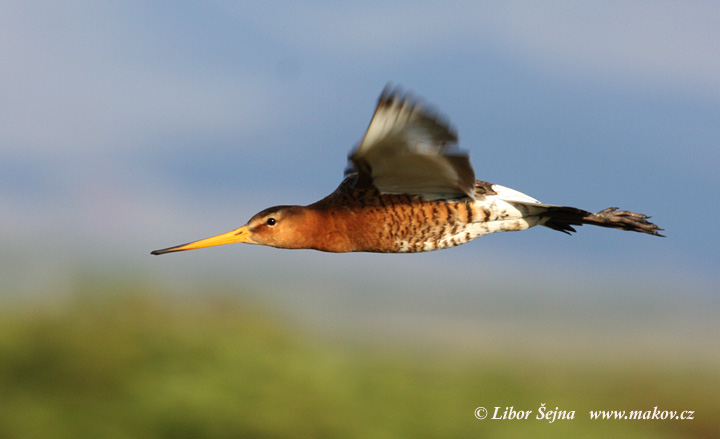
395	95
390	91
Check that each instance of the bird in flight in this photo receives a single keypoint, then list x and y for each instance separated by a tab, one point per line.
410	189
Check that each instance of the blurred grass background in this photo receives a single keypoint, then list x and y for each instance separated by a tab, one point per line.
123	359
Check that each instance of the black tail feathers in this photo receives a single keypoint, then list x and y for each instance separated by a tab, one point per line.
563	219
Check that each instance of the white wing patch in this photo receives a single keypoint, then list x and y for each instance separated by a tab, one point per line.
507	194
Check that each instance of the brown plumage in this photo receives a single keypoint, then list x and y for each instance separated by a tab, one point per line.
411	190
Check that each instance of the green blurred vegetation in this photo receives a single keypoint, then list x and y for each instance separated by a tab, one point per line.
132	361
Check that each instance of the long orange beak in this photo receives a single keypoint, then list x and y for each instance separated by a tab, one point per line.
238	235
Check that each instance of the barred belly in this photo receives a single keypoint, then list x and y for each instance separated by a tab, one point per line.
437	225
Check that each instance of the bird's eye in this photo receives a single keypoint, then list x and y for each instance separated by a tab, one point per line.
271	221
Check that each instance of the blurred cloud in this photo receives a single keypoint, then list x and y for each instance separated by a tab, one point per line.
90	77
106	76
665	43
132	126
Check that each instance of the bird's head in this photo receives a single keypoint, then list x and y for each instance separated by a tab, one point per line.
279	226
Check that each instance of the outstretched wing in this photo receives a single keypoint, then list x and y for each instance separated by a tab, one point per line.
409	149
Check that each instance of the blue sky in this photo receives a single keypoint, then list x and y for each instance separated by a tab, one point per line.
132	126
